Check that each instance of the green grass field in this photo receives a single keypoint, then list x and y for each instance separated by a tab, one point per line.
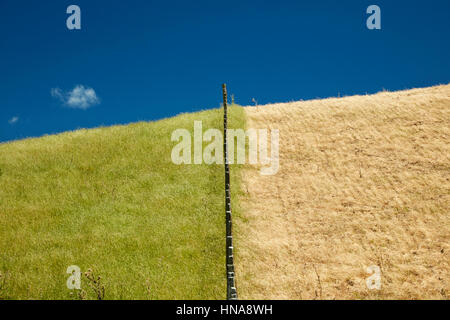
111	200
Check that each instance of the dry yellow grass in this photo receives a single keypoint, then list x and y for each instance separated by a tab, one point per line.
363	180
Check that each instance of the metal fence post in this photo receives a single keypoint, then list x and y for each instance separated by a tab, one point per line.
231	286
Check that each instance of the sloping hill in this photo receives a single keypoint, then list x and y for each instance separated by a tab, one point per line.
363	180
111	200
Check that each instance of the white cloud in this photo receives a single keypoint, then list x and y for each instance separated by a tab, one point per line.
13	120
57	93
80	97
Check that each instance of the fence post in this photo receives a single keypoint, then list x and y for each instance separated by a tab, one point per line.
231	287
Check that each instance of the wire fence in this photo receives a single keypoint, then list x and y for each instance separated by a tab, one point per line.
231	285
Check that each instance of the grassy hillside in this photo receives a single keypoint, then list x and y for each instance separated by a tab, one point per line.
363	181
111	200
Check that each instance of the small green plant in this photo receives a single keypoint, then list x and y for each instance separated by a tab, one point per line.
95	283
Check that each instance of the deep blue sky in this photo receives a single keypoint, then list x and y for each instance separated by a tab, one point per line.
153	59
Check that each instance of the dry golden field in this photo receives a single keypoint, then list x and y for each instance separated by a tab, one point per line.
363	180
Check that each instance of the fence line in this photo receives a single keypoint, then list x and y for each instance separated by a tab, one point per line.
231	286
